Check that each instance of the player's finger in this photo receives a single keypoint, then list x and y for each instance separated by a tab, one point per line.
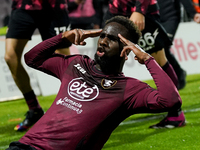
93	33
125	51
83	43
124	40
134	48
77	36
90	33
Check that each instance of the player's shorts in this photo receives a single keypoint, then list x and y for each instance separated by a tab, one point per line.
19	146
154	36
171	26
23	23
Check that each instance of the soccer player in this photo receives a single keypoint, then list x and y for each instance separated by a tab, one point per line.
84	14
170	12
95	96
50	18
145	14
170	18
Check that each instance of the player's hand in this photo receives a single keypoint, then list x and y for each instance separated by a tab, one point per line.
77	36
140	55
138	19
197	17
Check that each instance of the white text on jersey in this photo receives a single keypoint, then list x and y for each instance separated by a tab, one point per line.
80	68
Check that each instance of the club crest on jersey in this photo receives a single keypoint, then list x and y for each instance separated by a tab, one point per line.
106	84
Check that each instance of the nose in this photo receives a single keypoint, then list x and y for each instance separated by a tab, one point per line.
104	42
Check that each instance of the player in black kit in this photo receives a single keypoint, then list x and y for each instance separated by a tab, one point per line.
50	18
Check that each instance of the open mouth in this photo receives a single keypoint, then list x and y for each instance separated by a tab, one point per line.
100	51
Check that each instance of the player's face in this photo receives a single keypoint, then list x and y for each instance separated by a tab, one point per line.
109	47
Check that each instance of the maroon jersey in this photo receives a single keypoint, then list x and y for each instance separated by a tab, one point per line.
126	7
90	104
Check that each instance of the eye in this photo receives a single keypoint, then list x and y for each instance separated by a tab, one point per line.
113	38
102	36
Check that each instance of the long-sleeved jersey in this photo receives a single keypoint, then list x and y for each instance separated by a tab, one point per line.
90	104
127	7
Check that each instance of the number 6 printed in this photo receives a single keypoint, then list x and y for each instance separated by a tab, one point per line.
149	39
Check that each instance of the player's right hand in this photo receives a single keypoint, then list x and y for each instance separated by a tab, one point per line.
77	36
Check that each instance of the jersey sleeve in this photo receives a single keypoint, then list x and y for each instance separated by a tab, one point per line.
43	58
145	99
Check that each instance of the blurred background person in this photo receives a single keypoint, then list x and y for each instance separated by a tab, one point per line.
50	18
85	14
4	12
170	12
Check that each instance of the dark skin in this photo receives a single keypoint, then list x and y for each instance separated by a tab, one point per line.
112	42
109	48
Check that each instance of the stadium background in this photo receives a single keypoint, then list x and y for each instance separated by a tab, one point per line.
186	48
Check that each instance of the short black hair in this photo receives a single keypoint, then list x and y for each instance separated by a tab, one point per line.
134	33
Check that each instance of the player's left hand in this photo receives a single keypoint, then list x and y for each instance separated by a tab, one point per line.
140	55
